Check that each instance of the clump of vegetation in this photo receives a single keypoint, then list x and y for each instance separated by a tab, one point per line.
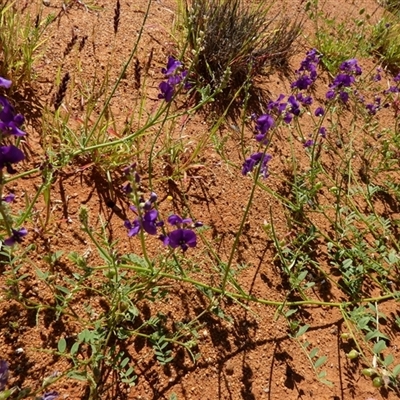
230	42
386	39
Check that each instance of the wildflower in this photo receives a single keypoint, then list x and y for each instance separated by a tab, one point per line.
263	124
302	83
319	112
308	143
16	237
148	223
288	118
255	159
374	107
308	65
10	155
377	77
322	132
167	91
277	105
9	198
305	100
351	67
344	96
3	374
294	106
9	121
50	396
344	80
177	220
172	66
167	88
183	238
5	83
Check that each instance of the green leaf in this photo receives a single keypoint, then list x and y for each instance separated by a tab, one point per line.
375	334
379	347
320	361
290	312
388	360
80	376
62	345
124	362
313	352
396	370
74	348
302	330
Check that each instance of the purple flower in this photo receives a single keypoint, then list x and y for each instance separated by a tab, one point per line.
322	132
177	220
148	222
330	94
134	227
351	66
167	88
277	105
172	66
50	396
264	123
9	198
373	108
294	106
305	100
256	158
167	91
5	83
183	238
377	77
10	155
319	112
302	83
308	143
3	374
343	80
344	96
9	121
16	237
288	118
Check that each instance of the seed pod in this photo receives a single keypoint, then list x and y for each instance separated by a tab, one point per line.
377	382
345	336
368	372
352	355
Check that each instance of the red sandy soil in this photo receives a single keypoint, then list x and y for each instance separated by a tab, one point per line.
249	355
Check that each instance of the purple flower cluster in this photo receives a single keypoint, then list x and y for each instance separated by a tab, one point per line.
344	79
174	77
147	220
10	126
307	73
